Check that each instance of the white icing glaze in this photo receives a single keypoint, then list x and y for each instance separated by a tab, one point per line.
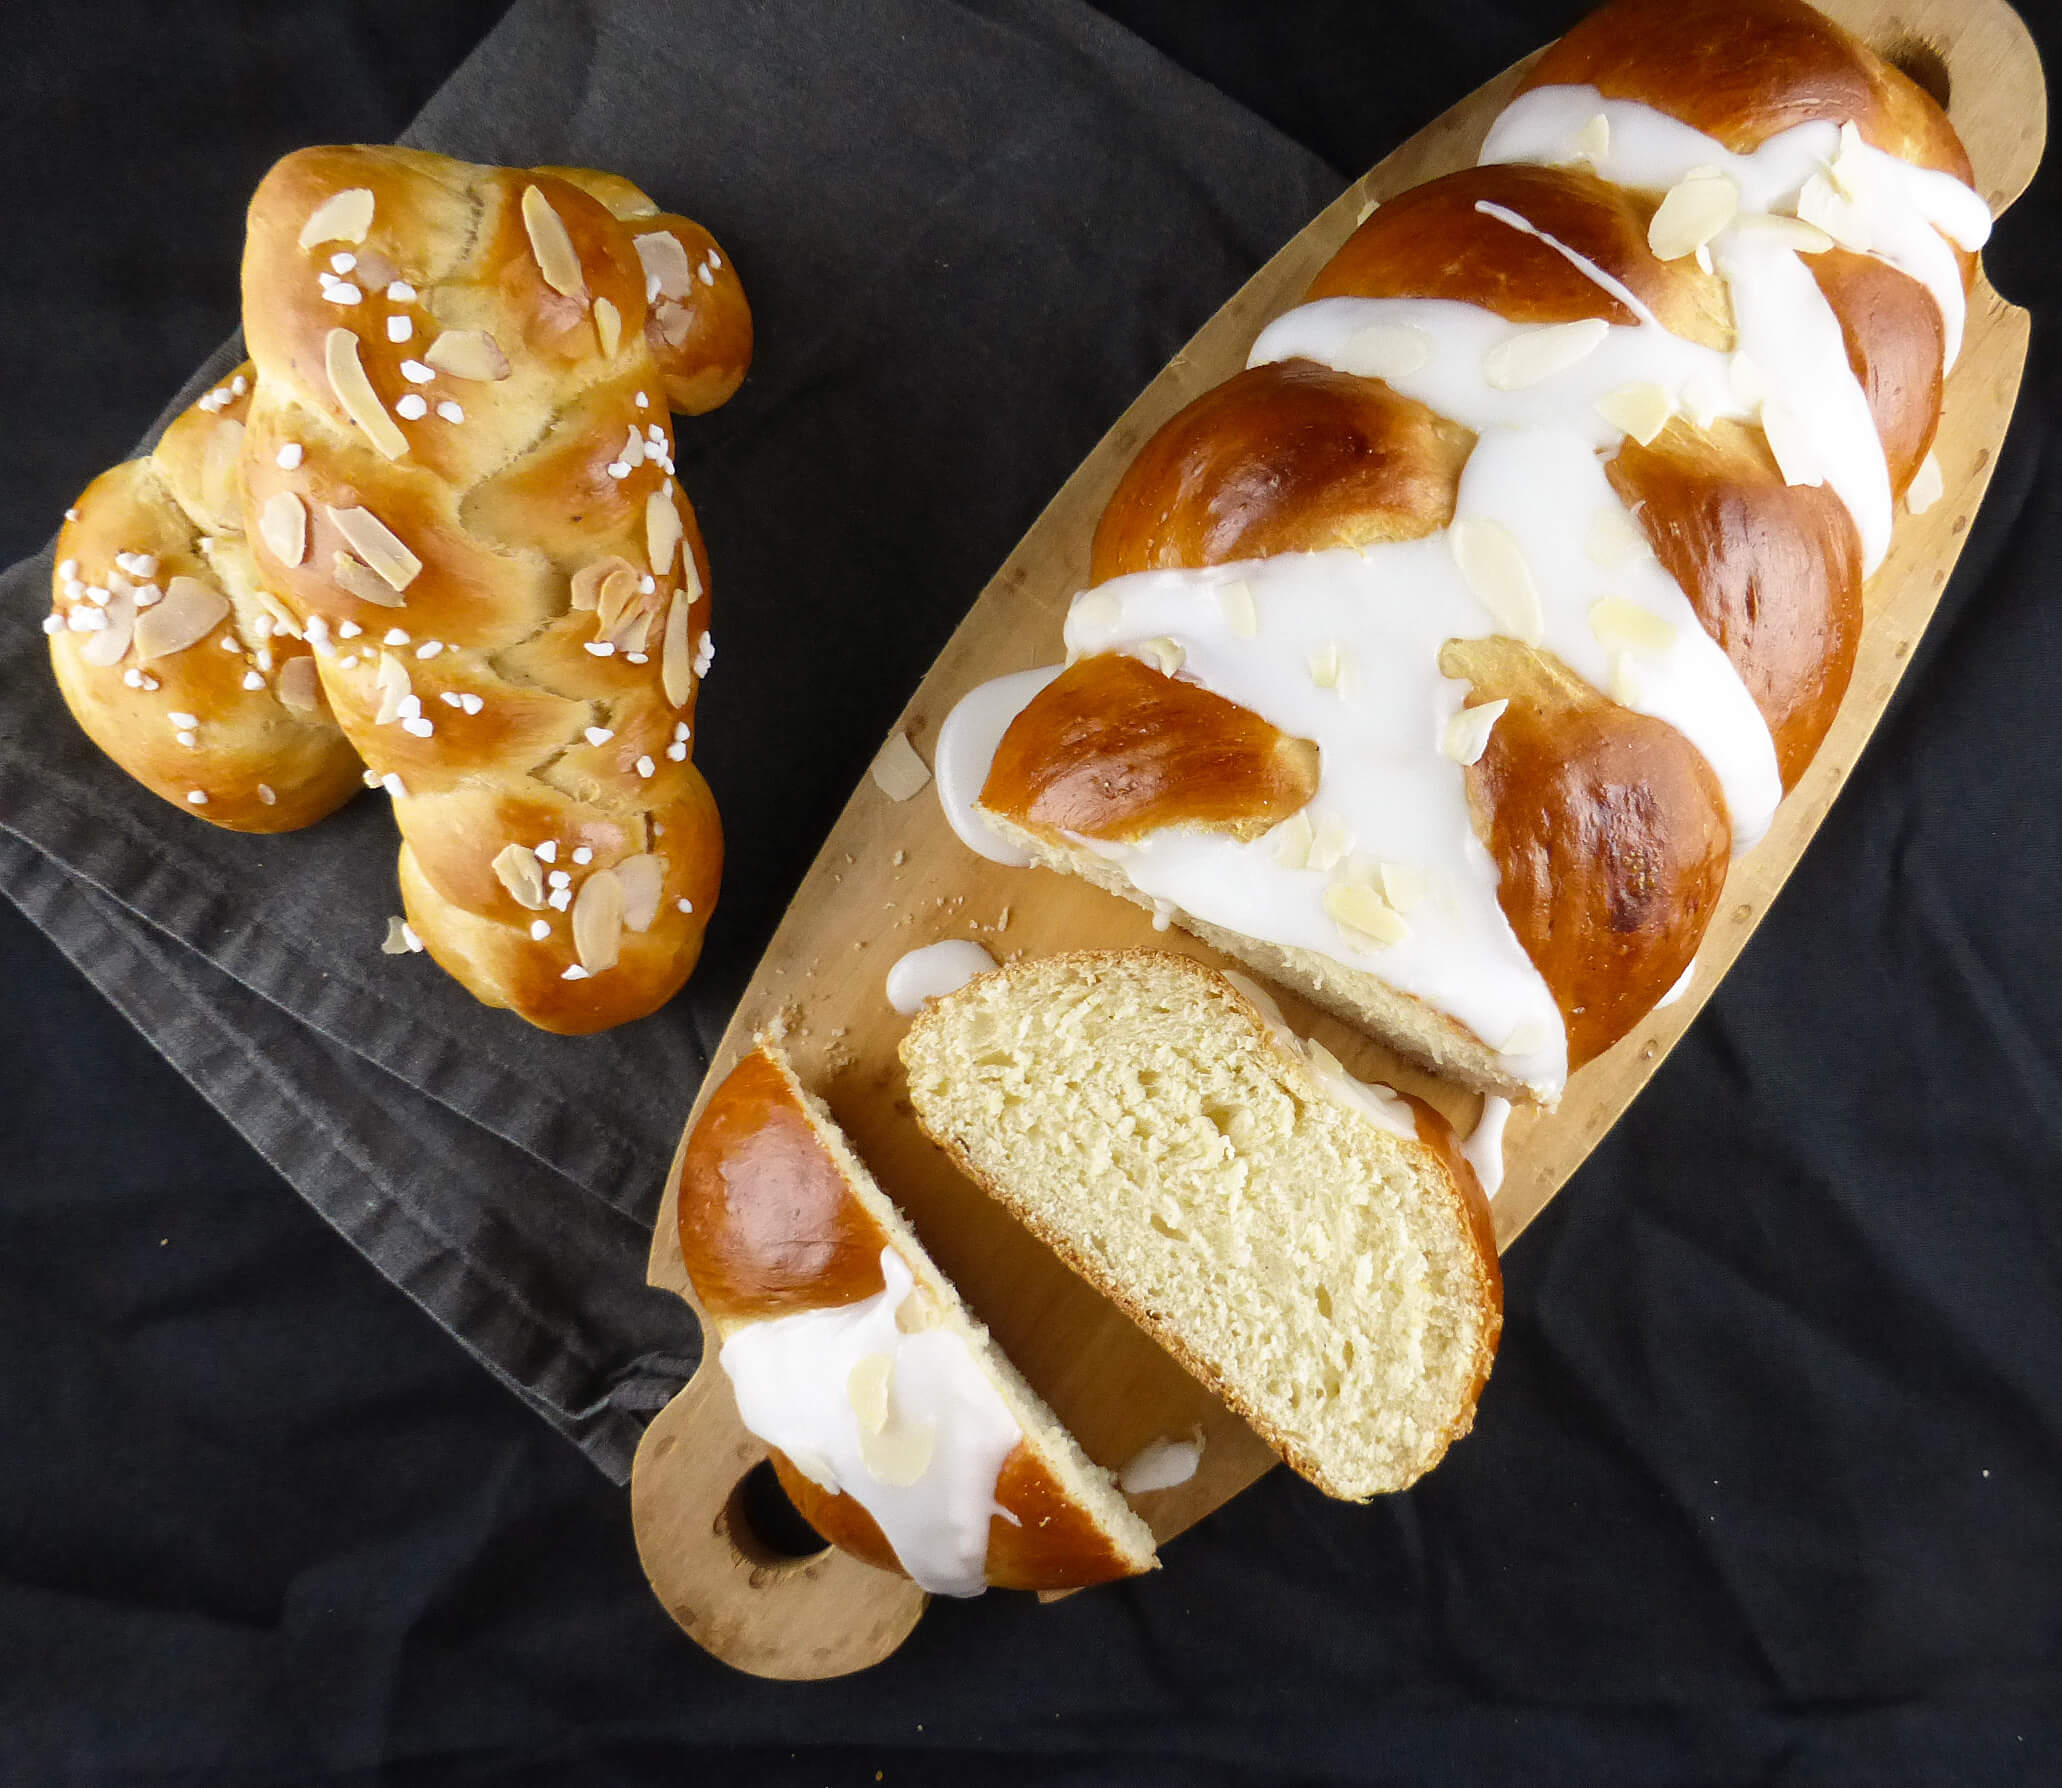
1681	987
1484	1148
966	748
1377	618
1368	1097
1160	1465
791	1376
933	971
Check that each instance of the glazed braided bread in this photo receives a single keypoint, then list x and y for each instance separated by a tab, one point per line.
459	479
1438	663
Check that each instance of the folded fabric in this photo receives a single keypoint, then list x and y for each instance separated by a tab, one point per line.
969	235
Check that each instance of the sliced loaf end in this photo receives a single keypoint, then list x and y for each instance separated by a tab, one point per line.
1324	1262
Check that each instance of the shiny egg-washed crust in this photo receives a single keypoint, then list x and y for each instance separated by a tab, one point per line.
1609	870
264	763
520	475
771	1223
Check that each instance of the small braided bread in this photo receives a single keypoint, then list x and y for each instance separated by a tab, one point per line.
171	655
1439	662
459	479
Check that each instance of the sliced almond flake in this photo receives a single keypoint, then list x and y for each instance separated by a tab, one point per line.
1622	626
598	921
283	525
190	612
1792	233
1822	205
392	683
300	685
396	942
467	354
111	644
644	879
267	794
1466	736
1324	665
899	1456
898	772
1747	382
632	453
1292	841
516	868
358	579
662	531
1387	351
676	658
1592	143
588	580
1625	687
1695	209
354	391
1528	1037
1926	489
1403	885
866	1389
1362	913
1641	410
1849	170
608	327
665	260
342	217
221	468
1790	444
634	629
1494	565
1614	539
1165	654
617	591
377	545
1329	843
1534	355
1240	614
553	247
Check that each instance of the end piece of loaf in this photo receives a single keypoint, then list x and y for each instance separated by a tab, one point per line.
780	1222
1314	1249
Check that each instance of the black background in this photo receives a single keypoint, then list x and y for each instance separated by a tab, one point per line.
1767	1484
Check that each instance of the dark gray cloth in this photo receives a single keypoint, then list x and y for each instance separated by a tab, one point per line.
890	445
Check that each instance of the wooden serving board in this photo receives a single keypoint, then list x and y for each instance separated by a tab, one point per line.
892	876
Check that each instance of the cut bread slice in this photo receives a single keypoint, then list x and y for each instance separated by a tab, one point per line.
1313	1248
901	1430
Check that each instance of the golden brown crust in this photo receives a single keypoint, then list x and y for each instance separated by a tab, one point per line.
1291	457
1111	749
531	678
1742	70
1432	242
263	765
1609	833
1896	343
1773	571
769	1225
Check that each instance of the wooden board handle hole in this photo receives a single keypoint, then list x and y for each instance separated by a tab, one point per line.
765	1528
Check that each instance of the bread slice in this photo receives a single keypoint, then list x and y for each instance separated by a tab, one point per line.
778	1215
1315	1250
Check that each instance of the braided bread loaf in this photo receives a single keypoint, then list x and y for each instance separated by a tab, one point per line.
1438	663
171	655
459	476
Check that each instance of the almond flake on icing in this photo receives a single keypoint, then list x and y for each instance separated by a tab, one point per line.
353	390
1466	736
1535	355
342	217
1293	838
1622	626
1614	539
1357	908
1387	351
552	245
1642	410
1695	209
1790	442
1494	565
1240	614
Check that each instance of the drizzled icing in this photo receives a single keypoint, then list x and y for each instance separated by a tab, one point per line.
966	749
933	971
1391	803
794	1381
1484	1148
